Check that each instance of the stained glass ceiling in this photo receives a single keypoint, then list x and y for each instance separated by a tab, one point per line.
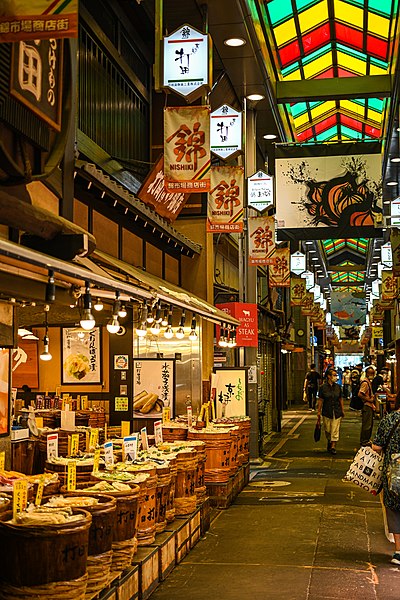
343	277
319	39
359	245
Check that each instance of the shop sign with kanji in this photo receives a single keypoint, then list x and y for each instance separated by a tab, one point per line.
225	200
386	253
279	271
187	149
389	286
298	263
260	191
187	62
231	392
261	240
226	131
297	290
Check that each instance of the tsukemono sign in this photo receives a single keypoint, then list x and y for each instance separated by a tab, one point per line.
260	191
261	232
81	361
226	131
153	387
187	149
225	200
231	392
186	61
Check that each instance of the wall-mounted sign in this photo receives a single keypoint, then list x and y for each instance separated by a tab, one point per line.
225	200
377	333
386	255
154	387
297	291
25	368
247	314
260	191
37	20
261	232
226	131
395	213
80	359
231	392
186	67
121	362
298	263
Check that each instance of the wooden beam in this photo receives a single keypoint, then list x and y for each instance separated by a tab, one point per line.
367	86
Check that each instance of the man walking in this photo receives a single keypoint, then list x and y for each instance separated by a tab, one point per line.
366	395
330	405
311	383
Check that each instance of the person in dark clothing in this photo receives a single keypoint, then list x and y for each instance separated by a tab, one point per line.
366	394
380	383
27	395
330	406
355	382
311	383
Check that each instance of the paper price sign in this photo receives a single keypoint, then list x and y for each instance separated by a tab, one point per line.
74	444
39	422
20	496
125	428
96	460
166	414
130	447
109	454
52	445
189	416
39	493
93	439
2	461
158	432
71	476
143	438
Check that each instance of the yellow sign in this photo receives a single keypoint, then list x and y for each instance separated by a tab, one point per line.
377	333
20	496
39	422
74	444
125	428
71	476
94	439
2	460
96	460
39	493
166	414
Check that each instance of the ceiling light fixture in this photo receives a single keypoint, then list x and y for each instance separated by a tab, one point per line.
193	335
180	332
395	159
122	312
113	325
391	183
269	136
164	321
87	321
99	305
235	42
255	97
45	355
50	288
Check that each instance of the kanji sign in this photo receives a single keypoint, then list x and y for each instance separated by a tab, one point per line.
279	271
231	392
81	361
225	200
226	131
386	255
187	61
389	286
187	149
261	240
260	191
395	213
310	279
298	263
297	290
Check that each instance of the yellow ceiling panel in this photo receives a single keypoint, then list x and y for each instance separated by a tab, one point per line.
294	76
323	109
318	66
351	64
353	107
313	16
378	25
374	70
285	32
302	120
373	115
349	14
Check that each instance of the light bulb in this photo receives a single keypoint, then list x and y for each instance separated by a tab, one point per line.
222	342
164	321
113	325
180	333
122	312
142	330
155	328
192	335
150	318
168	333
88	321
45	355
99	305
158	317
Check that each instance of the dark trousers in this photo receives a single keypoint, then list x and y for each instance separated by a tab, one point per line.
367	423
312	397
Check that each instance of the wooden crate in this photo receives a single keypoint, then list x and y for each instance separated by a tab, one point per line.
146	559
166	544
181	527
128	585
205	516
108	594
195	527
220	494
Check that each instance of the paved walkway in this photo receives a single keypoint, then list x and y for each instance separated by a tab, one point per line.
297	532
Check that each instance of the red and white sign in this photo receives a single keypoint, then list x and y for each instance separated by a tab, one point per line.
246	313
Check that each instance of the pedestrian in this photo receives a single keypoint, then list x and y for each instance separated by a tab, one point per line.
346	383
387	440
310	386
380	382
330	406
355	382
367	397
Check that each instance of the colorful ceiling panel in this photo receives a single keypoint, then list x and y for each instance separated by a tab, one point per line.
343	277
317	39
359	245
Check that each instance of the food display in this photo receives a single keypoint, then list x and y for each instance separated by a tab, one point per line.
147	403
34	515
77	366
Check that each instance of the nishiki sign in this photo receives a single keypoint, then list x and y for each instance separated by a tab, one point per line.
226	131
247	332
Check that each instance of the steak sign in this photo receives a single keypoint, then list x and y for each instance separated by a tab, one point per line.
246	313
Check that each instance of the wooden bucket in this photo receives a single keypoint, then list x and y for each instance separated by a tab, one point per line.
36	555
218	451
170	512
83	472
199	486
5	503
185	496
170	434
162	495
147	512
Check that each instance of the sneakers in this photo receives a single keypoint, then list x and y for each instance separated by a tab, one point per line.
333	451
396	558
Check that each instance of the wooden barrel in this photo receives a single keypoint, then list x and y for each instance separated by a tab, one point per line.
37	555
62	445
162	495
170	512
218	452
199	486
174	432
235	435
185	496
147	512
83	471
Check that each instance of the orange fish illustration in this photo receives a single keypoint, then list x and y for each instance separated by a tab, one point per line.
342	314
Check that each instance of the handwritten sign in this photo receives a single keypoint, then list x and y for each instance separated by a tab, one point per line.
166	414
52	445
93	439
189	411
130	447
109	454
158	432
143	438
125	428
71	476
2	460
74	444
20	496
39	493
96	460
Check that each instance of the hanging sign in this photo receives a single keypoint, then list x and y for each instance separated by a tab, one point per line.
395	213
307	304
226	131
310	279
187	149
247	314
225	200
297	290
387	255
279	270
298	263
260	191
38	20
261	240
395	245
187	60
316	290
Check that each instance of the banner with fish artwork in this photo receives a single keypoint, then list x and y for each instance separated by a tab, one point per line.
348	307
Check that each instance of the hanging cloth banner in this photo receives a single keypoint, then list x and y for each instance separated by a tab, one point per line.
279	270
307	304
395	242
25	20
187	149
261	240
225	200
297	290
389	286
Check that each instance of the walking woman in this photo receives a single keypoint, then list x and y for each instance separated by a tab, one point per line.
387	440
330	405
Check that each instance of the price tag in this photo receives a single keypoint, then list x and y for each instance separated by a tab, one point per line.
96	460
71	476
74	444
143	438
130	446
166	414
109	454
105	432
189	411
52	445
93	439
39	422
125	428
158	432
2	461
20	496
39	493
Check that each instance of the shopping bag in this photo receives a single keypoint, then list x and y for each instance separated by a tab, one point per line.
366	470
317	431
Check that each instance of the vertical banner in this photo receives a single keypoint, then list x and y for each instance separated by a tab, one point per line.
225	200
395	242
297	290
38	20
279	270
187	149
261	240
389	286
307	304
5	388
247	314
